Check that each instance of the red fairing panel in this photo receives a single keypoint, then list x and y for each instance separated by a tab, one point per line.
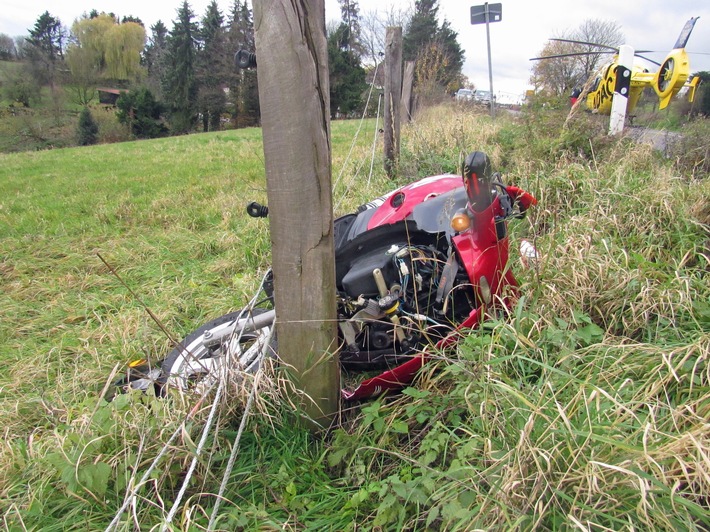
400	203
481	253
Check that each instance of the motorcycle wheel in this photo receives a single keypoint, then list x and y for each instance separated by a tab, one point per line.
192	366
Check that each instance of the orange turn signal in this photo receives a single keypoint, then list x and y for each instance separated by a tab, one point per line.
460	222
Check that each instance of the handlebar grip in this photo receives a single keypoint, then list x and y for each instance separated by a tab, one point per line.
244	59
257	210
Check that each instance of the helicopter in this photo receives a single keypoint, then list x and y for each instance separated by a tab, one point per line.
671	76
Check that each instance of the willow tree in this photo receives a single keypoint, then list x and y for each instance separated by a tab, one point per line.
103	46
124	44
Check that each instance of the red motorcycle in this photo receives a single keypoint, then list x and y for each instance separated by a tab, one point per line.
414	268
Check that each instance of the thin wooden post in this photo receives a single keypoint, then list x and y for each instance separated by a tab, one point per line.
294	99
393	93
407	84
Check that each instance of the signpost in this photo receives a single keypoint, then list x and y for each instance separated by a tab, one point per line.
485	14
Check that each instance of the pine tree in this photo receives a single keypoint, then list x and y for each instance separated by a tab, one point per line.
350	14
142	113
154	57
347	77
88	129
421	29
211	68
435	49
243	86
179	82
46	48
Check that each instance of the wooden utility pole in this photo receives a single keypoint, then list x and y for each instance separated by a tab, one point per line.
393	94
295	105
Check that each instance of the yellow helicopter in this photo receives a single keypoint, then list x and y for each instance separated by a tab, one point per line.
671	76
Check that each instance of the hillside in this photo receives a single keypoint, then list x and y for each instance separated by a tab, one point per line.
586	407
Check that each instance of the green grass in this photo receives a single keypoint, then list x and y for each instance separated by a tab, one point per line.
586	407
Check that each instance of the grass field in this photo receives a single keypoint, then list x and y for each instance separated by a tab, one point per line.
586	408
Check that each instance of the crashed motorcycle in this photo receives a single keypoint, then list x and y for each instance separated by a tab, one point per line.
414	270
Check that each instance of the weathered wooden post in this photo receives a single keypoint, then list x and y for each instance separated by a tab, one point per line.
294	99
407	84
393	93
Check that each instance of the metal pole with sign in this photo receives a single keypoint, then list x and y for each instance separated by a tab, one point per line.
485	14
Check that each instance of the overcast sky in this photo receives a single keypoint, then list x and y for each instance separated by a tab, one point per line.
520	35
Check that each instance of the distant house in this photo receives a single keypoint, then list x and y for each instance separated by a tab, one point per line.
110	96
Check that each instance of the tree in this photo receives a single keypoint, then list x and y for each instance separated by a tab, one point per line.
350	15
559	75
347	77
422	28
84	69
102	47
124	44
8	52
142	113
154	57
179	82
210	67
88	129
373	28
242	84
19	86
46	48
437	46
703	96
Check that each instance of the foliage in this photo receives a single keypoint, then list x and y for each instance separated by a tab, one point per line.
88	129
374	26
8	51
18	86
211	66
559	75
154	57
179	83
46	48
107	48
702	97
125	42
691	150
142	113
243	86
351	35
436	45
347	77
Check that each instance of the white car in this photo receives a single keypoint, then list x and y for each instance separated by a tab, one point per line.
483	96
464	95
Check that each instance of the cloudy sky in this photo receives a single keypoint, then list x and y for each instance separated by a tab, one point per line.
521	34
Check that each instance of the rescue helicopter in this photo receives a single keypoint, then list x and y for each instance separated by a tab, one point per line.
671	76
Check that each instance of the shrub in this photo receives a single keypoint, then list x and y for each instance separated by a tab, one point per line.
142	112
88	130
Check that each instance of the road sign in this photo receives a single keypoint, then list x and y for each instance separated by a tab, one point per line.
478	13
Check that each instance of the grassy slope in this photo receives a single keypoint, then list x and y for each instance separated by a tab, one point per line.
586	407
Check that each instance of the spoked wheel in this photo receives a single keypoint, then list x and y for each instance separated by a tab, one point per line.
235	341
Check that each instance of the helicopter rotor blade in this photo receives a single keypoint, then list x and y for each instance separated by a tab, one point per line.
587	44
648	59
571	54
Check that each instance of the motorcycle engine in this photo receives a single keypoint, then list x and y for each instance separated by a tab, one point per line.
385	319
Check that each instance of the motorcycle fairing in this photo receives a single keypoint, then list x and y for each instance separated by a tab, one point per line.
401	204
483	251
